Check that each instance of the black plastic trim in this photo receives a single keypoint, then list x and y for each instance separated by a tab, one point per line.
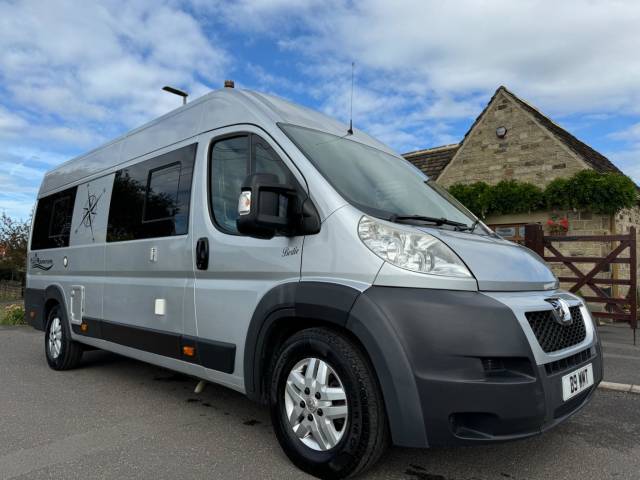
211	354
34	300
316	301
216	355
310	303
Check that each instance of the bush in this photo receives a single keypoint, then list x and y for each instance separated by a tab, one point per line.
587	190
511	196
476	197
12	315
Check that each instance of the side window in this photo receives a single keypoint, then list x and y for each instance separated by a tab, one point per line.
265	160
229	168
52	224
232	159
151	199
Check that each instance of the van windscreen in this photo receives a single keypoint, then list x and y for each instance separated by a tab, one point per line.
374	181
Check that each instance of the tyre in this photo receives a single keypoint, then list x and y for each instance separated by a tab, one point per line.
62	353
326	405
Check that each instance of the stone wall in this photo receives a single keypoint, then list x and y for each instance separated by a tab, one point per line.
527	153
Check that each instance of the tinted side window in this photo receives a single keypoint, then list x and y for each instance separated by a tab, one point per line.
52	225
151	199
229	168
265	160
232	159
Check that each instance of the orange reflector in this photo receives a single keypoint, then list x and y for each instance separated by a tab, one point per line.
188	351
84	327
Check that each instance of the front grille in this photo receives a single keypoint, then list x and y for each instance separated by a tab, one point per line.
553	336
568	363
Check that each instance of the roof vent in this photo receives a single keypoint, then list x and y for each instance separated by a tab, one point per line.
229	84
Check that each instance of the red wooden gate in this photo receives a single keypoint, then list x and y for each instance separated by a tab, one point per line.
618	308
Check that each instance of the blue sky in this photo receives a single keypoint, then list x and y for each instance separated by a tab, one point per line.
74	74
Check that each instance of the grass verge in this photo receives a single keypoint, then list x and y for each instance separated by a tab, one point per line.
12	314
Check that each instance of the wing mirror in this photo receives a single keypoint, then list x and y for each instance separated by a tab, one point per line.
267	207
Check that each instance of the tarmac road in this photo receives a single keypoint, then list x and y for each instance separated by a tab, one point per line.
119	418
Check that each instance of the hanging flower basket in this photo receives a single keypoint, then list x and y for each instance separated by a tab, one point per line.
558	226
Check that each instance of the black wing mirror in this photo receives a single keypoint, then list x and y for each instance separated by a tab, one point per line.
267	207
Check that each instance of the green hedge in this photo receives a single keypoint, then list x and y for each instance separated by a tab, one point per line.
587	190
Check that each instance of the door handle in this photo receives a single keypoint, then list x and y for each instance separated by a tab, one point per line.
202	253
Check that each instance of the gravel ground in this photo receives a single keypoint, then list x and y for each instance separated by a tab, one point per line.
119	418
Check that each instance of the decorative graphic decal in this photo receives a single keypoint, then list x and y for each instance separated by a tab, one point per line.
288	251
90	211
41	263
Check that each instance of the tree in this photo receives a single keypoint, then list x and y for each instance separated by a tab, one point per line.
14	236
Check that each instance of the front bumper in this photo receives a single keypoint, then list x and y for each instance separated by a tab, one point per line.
469	412
480	376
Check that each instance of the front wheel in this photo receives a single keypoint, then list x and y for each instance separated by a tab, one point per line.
62	353
326	405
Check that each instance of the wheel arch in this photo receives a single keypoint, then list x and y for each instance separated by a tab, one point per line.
292	307
52	296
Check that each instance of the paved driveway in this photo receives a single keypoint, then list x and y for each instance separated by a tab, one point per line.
118	418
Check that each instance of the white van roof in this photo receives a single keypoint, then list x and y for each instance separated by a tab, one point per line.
219	108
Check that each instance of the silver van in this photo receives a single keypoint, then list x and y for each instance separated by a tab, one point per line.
250	242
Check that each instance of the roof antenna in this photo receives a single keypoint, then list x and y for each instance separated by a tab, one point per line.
175	91
350	131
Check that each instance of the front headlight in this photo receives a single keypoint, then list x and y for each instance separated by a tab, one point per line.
418	252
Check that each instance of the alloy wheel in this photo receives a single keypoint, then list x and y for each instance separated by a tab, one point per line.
316	404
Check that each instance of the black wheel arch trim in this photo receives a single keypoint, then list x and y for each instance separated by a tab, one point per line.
36	300
53	292
351	309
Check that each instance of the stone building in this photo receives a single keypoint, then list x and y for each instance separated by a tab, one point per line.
511	139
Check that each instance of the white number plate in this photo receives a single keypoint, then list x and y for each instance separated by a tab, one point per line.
576	382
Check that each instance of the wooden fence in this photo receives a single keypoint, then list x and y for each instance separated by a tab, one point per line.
617	308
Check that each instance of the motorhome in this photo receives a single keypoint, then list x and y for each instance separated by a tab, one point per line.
251	242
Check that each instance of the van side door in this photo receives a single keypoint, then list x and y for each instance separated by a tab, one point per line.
240	269
148	251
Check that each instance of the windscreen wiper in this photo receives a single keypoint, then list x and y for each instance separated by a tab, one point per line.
472	227
421	218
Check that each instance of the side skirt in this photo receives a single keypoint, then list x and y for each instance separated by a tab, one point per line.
219	356
186	368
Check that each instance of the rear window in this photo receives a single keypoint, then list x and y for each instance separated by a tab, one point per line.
52	224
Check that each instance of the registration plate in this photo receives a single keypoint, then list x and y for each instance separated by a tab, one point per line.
576	382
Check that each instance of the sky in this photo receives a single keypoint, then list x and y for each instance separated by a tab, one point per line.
75	74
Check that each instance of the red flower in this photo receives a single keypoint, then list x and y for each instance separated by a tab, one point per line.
565	223
550	222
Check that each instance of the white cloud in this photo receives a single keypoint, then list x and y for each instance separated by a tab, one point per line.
17	206
76	74
101	61
628	161
570	56
631	133
10	123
